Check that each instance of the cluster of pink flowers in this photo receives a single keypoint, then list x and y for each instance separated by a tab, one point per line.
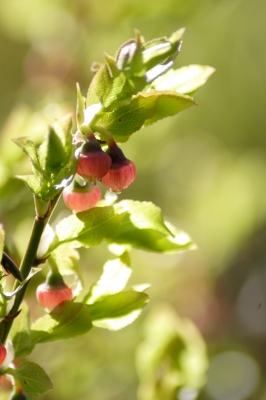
116	173
111	168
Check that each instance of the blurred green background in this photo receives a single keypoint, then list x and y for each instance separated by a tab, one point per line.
205	168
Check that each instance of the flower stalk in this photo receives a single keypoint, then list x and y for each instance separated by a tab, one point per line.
27	262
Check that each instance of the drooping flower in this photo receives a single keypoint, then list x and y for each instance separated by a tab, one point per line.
81	198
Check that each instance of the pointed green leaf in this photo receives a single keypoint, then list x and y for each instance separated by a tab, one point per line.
136	64
66	321
184	80
92	96
116	88
129	57
109	90
63	129
144	108
32	378
162	50
80	107
113	280
32	182
27	145
142	62
52	152
118	310
168	104
143	227
20	333
88	228
55	163
125	120
56	149
42	188
129	223
142	214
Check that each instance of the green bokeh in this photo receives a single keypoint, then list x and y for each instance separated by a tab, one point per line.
205	168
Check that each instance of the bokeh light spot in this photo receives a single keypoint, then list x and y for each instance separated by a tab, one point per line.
232	376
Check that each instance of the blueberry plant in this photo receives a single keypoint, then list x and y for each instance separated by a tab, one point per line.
134	89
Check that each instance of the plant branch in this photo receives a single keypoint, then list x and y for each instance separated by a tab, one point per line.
28	260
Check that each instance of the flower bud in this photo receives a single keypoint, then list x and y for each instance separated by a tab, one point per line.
53	292
126	55
2	353
122	172
81	198
93	161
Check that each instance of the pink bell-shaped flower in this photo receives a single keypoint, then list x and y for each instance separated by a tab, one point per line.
122	172
93	161
53	292
81	198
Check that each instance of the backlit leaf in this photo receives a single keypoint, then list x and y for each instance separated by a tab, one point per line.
143	227
67	320
114	278
88	228
184	80
129	223
144	108
32	378
20	333
118	310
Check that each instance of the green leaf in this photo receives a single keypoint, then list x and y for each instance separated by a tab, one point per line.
143	227
54	164
118	310
109	87
184	80
133	223
142	214
122	97
87	228
162	50
167	104
144	108
33	183
57	154
52	152
172	356
129	57
142	62
66	321
137	63
115	275
80	107
27	145
32	378
67	261
20	333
